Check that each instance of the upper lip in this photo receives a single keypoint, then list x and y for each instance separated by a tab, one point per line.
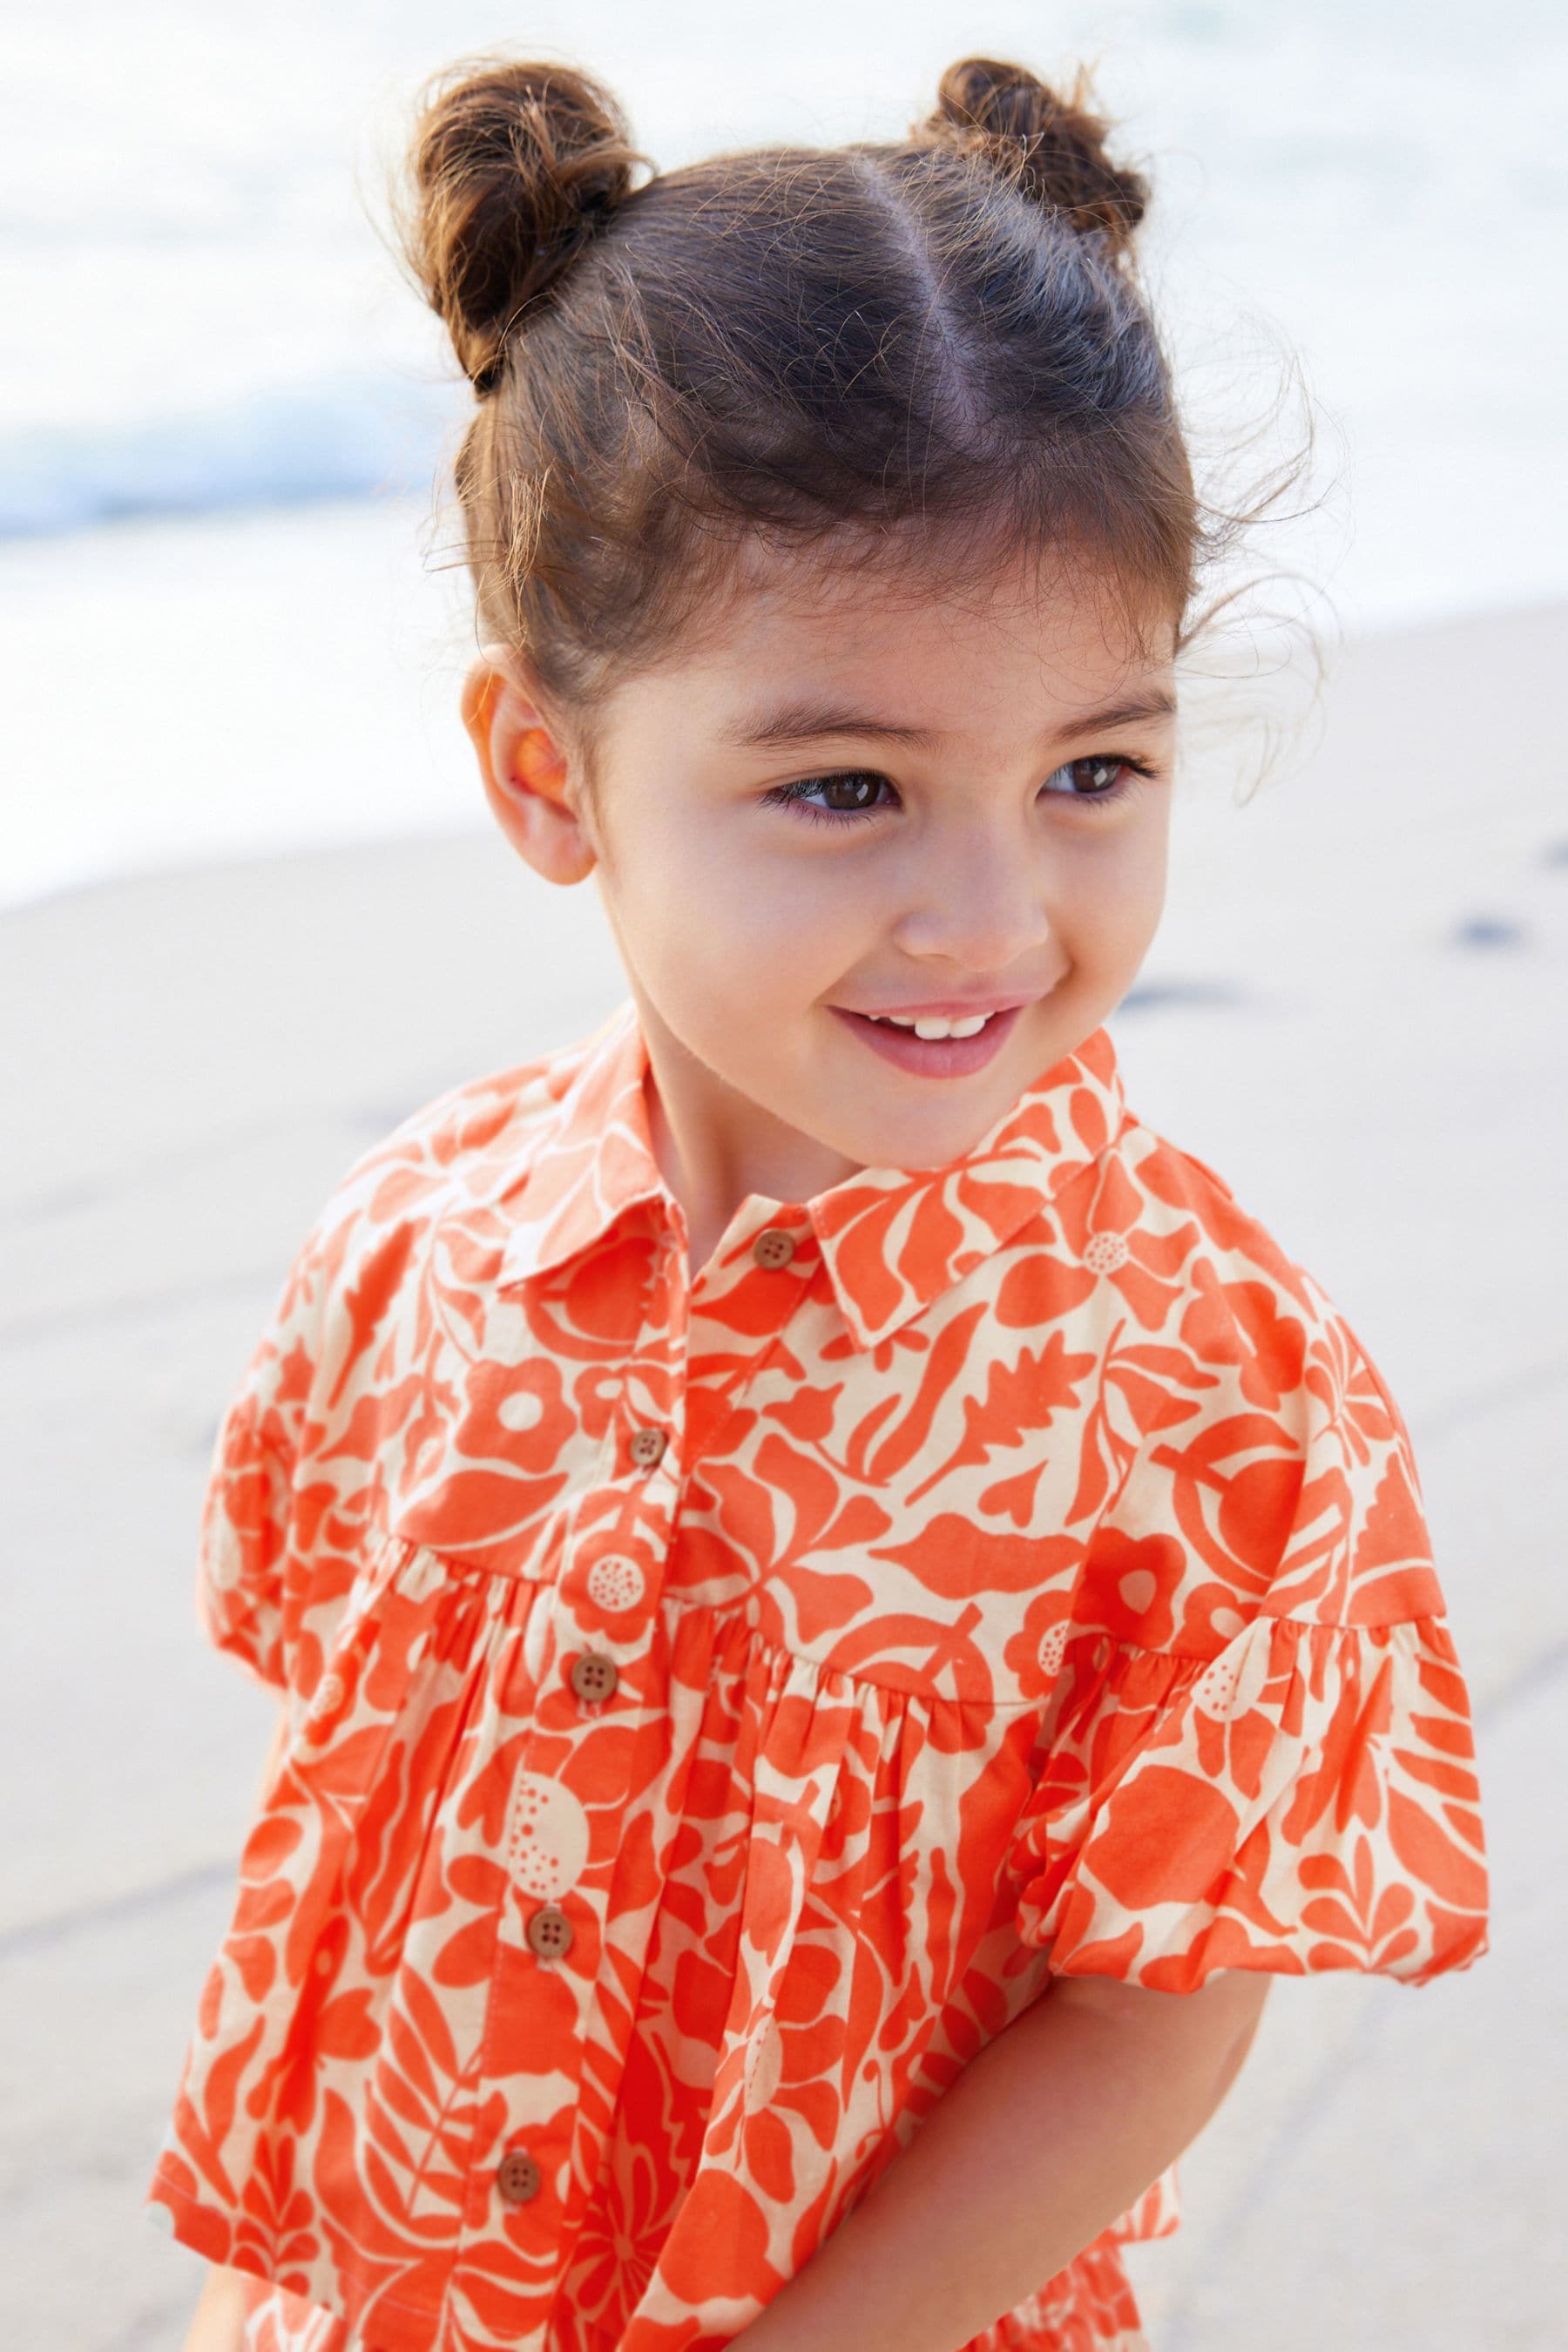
946	1008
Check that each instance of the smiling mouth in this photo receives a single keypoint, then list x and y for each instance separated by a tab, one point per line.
931	1045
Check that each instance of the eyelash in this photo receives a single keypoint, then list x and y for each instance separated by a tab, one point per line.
794	794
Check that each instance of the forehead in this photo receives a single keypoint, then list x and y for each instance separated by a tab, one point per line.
865	616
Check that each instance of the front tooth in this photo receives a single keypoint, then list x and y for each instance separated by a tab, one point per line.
937	1027
933	1026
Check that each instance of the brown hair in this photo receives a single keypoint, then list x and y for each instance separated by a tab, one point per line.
922	348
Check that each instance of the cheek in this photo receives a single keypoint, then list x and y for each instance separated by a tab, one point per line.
721	911
1114	888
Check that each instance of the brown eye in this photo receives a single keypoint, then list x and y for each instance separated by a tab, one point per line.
847	794
1097	777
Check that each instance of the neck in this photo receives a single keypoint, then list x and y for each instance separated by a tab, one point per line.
715	1147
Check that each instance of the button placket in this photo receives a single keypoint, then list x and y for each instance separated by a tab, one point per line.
754	1249
599	1615
596	1623
775	1265
556	1900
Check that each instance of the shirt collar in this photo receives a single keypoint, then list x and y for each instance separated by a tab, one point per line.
892	1239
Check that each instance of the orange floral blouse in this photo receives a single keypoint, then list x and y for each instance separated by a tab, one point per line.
715	1710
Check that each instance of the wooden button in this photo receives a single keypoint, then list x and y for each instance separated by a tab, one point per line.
518	2176
549	1931
773	1246
647	1445
593	1675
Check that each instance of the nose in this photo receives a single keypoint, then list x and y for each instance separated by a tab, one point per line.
977	900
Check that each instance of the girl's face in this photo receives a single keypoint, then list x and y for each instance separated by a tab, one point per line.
845	804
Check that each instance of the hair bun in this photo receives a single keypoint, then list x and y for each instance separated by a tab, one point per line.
1053	148
514	165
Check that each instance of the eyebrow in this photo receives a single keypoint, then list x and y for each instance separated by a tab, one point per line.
806	721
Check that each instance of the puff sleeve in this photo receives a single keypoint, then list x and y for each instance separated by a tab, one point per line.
249	1517
1260	1751
295	1505
275	1547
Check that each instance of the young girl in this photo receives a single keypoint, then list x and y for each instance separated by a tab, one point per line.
840	1607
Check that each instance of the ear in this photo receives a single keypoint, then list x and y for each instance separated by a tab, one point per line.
524	766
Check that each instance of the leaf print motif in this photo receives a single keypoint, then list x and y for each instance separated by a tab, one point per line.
202	2134
907	1433
325	2021
1020	1398
953	1562
279	2211
366	1300
1033	1581
809	1415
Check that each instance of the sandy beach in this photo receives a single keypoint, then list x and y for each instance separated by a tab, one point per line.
1353	1012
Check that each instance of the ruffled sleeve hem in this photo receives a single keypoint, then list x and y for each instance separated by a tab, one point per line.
239	1595
1304	1800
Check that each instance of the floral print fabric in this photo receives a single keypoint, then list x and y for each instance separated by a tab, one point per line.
716	1708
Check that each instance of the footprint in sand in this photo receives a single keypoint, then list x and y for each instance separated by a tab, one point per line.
1488	931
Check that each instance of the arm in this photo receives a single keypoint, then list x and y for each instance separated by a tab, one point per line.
1045	2140
217	2322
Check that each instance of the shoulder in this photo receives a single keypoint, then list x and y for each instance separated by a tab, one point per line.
1223	1265
443	1172
464	1145
1268	1442
1229	1237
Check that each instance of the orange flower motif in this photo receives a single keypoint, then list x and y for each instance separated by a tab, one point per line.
1103	1226
1132	1586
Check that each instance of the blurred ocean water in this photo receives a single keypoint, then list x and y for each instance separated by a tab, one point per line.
206	319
